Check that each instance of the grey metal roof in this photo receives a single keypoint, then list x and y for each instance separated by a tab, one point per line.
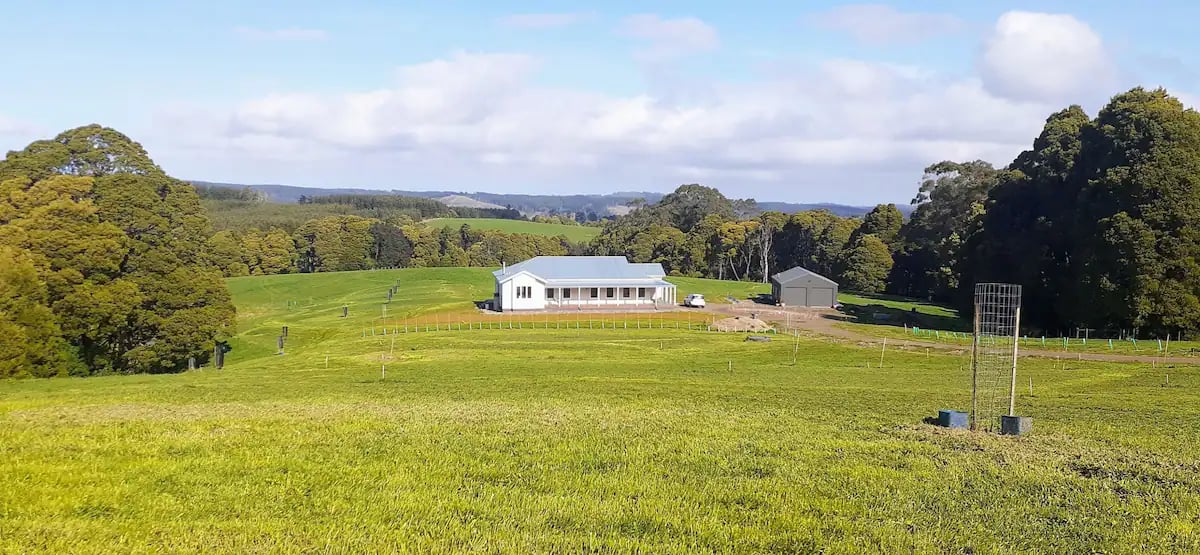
583	268
798	272
651	268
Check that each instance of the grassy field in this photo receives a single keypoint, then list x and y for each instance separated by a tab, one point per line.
618	440
1067	346
896	303
576	233
716	291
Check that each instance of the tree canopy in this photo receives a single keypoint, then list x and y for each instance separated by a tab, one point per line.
88	151
1100	220
120	254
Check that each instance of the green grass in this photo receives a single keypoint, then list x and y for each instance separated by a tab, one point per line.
902	304
559	441
575	233
717	291
1143	347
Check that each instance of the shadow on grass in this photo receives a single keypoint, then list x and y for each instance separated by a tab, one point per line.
878	314
763	298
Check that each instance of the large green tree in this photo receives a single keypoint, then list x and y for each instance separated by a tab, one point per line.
814	240
949	203
89	151
335	243
121	247
1101	219
225	252
687	205
769	225
1032	225
268	253
865	265
32	343
884	221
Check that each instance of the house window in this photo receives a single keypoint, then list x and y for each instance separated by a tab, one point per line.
549	293
595	293
610	292
524	292
641	292
624	292
566	293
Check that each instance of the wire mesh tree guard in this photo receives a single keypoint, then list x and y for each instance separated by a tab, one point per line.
994	354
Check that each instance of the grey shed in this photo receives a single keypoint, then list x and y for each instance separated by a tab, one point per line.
801	287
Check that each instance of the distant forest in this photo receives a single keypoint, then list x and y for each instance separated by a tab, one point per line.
581	207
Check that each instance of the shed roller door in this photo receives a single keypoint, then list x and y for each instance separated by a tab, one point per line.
795	296
820	296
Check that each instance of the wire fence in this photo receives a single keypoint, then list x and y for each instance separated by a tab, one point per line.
674	320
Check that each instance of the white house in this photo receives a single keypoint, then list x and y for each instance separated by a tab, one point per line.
556	282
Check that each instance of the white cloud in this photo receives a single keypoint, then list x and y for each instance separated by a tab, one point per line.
543	20
287	34
882	24
20	130
667	39
480	117
1046	57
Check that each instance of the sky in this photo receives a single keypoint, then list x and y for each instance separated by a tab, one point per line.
791	101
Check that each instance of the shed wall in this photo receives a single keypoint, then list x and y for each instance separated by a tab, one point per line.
807	291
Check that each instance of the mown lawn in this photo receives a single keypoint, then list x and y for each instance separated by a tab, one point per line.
717	291
903	304
581	440
575	233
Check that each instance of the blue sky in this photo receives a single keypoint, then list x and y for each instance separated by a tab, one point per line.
814	101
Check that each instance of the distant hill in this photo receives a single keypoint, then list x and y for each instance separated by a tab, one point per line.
839	209
576	233
601	205
460	201
286	194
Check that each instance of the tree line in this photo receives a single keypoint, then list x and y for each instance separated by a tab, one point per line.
696	231
416	208
244	209
1099	221
347	242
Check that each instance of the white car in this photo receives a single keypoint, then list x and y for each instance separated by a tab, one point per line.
695	300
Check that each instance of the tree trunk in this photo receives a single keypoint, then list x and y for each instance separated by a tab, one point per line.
765	252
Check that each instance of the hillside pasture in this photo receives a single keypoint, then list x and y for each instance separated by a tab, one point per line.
574	233
569	440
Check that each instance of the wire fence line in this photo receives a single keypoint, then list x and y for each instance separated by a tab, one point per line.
557	324
673	320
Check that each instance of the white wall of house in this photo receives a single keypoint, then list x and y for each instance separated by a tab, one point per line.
600	296
513	298
534	297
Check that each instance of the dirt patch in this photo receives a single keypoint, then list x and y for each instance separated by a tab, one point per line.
741	323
